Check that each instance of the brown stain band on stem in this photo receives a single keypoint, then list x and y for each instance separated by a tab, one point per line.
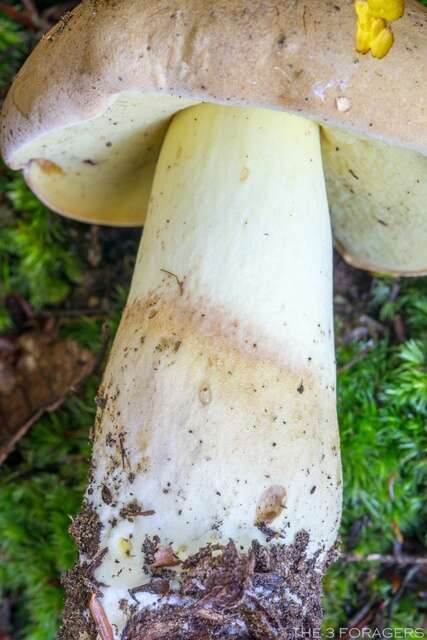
232	366
183	317
234	354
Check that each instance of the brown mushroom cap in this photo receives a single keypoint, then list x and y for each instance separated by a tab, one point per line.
87	114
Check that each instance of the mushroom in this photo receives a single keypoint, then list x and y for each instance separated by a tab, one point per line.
216	443
377	197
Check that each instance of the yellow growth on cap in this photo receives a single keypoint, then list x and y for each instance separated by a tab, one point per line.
387	9
373	34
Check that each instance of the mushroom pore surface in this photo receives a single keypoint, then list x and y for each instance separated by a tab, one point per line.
102	170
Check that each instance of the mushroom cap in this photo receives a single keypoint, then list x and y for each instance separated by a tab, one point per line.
87	114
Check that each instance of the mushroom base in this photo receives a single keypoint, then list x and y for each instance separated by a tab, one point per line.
271	591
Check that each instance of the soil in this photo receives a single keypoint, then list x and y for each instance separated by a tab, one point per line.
351	297
86	530
77	624
79	583
268	593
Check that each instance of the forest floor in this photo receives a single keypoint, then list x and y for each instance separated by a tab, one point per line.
62	288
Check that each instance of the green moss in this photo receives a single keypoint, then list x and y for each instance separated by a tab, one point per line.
41	486
35	256
382	406
13	46
382	409
40	489
350	587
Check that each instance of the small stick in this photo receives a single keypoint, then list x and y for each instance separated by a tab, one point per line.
361	616
100	618
388	559
96	561
357	358
412	572
399	328
18	16
32	11
180	282
123	454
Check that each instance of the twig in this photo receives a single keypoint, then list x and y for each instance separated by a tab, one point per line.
100	618
399	328
18	16
180	282
72	313
361	616
123	454
357	358
32	11
95	562
395	291
399	593
28	424
375	328
29	6
391	482
387	559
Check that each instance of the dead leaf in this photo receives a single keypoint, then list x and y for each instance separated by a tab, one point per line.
165	557
38	372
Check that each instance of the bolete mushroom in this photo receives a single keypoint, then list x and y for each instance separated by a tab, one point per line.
215	493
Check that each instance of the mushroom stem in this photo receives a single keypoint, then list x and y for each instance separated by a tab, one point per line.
217	421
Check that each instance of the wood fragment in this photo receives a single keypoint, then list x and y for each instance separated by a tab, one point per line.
100	619
165	557
386	559
399	328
